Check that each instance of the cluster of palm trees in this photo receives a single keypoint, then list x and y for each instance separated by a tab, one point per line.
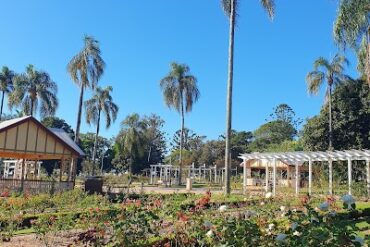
86	68
35	92
32	91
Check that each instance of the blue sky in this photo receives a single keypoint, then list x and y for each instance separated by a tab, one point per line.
139	39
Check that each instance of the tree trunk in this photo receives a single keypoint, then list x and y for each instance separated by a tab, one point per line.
181	138
2	103
96	142
150	153
79	113
229	99
330	121
32	102
367	65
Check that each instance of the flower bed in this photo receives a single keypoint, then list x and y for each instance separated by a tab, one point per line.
187	220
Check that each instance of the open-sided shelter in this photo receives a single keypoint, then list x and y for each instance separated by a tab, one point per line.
27	139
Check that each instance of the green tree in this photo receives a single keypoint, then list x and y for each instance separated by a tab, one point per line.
180	91
352	28
155	138
131	142
212	153
272	133
6	85
240	141
351	114
85	69
100	103
104	150
284	112
230	8
330	72
55	122
189	137
34	90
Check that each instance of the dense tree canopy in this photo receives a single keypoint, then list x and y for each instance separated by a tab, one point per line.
141	142
351	118
55	122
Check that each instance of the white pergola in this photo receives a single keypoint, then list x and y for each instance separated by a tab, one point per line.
299	157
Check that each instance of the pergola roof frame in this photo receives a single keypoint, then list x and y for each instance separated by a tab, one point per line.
301	156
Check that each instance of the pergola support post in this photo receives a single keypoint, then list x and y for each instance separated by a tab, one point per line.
22	176
215	174
310	177
330	177
274	177
244	176
349	176
297	177
368	177
61	171
267	177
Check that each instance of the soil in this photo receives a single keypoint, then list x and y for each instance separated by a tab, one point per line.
63	239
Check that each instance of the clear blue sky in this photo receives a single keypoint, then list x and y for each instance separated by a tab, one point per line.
139	39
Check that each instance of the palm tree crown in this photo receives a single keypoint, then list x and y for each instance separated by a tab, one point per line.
329	71
6	84
180	88
268	5
34	90
87	66
100	103
85	69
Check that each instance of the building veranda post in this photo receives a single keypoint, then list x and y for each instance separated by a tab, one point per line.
27	140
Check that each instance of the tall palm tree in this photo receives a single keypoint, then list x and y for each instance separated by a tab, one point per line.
180	91
132	138
100	103
330	72
85	69
230	8
34	90
352	28
6	85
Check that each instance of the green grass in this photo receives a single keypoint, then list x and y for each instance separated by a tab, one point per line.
24	231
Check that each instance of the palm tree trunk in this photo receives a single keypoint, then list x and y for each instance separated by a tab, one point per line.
229	99
32	102
330	143
367	65
181	138
79	113
96	142
330	121
2	103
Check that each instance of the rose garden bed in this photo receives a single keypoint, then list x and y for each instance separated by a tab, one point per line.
182	220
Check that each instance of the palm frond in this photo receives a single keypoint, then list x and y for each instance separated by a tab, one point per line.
226	7
269	6
314	81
